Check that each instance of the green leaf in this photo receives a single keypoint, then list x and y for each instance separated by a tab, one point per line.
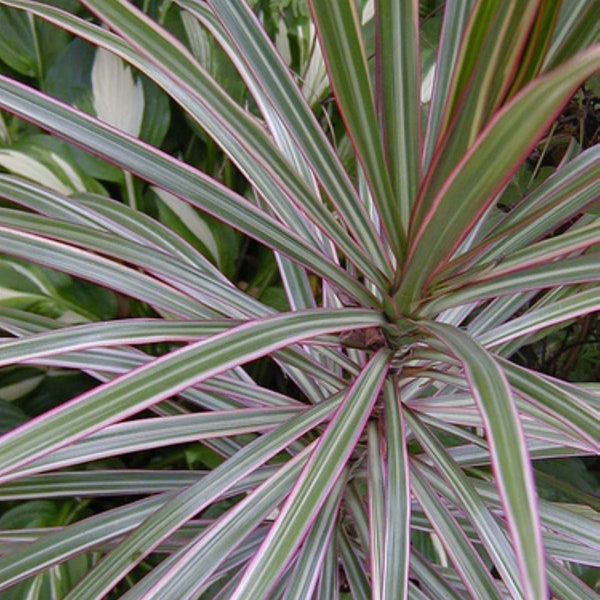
459	549
314	484
338	27
529	113
472	506
309	566
196	497
397	552
376	508
285	97
455	20
508	450
167	376
27	45
398	96
576	29
172	175
190	568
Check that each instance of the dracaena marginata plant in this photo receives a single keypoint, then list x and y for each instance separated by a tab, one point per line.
354	418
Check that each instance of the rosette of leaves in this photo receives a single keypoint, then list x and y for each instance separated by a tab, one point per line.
395	455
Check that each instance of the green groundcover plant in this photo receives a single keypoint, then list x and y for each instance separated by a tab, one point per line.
267	274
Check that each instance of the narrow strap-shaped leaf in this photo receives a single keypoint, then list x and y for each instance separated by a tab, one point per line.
240	136
474	508
309	565
577	28
398	96
565	194
329	576
376	494
166	172
396	556
544	317
485	66
273	75
183	277
456	14
568	406
354	567
579	269
430	579
508	449
192	566
551	250
538	42
161	432
467	194
226	575
168	375
324	467
95	483
100	270
104	213
78	538
460	551
191	501
566	585
338	27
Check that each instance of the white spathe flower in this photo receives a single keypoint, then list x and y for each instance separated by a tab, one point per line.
316	79
193	221
25	166
118	99
427	85
282	42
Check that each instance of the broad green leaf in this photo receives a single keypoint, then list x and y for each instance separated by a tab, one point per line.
28	45
45	291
